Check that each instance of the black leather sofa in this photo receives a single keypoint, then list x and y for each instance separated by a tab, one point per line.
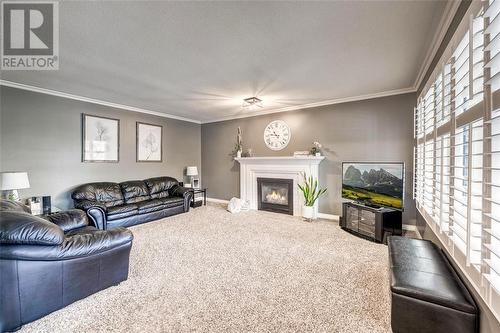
427	294
111	205
48	263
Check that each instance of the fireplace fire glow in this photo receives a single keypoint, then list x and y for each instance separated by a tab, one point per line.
275	195
276	198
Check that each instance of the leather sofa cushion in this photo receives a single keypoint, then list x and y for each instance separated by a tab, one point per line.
135	191
69	219
149	206
159	187
110	194
80	231
420	270
24	228
172	201
122	211
75	245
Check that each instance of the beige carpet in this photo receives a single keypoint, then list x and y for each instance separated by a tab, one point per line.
210	271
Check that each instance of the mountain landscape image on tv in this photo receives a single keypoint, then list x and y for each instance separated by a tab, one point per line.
379	184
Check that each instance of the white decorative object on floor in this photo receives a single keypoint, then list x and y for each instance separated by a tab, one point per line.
237	205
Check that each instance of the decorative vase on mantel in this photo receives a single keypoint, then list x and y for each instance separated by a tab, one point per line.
238	154
317	154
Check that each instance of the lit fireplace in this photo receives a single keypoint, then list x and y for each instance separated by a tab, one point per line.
276	198
275	195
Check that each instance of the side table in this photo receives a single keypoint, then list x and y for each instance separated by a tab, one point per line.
199	191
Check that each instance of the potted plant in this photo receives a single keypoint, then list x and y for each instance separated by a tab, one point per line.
311	193
316	149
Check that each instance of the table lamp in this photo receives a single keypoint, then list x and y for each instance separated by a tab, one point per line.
191	171
11	182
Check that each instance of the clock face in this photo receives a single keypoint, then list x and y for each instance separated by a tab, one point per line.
277	135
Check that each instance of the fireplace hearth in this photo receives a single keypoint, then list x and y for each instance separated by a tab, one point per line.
275	195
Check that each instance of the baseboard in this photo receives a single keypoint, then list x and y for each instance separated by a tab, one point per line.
320	215
410	227
221	201
328	216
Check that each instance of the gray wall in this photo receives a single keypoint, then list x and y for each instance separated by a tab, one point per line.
41	134
372	130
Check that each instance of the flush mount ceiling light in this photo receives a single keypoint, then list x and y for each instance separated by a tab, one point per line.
252	103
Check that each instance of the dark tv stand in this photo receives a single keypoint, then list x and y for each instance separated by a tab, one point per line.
371	205
375	224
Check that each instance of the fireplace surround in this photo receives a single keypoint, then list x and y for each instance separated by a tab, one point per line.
275	195
286	167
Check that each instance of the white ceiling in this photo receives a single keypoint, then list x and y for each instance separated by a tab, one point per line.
198	60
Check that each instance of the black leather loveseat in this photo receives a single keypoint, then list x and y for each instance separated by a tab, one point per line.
111	205
48	263
427	294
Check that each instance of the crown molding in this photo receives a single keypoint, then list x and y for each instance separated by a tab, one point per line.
316	104
93	100
449	13
166	115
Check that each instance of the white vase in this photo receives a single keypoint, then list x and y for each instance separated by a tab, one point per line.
308	212
318	154
238	154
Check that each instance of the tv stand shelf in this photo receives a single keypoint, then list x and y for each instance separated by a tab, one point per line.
370	222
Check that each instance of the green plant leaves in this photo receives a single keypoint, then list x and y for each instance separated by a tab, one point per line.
310	190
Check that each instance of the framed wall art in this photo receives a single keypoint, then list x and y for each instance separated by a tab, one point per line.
101	139
149	142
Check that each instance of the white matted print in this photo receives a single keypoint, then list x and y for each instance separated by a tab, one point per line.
101	137
149	142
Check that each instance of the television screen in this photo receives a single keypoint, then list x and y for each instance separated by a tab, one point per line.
378	184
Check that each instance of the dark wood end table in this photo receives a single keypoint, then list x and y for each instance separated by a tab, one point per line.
199	191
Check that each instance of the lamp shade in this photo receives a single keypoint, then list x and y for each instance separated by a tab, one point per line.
192	171
14	181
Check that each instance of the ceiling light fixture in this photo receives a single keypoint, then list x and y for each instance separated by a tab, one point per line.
252	103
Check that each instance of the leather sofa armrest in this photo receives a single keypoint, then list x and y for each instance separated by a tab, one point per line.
70	219
77	245
95	211
25	229
98	217
183	192
179	191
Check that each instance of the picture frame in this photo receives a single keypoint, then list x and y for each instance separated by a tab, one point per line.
100	139
196	183
149	142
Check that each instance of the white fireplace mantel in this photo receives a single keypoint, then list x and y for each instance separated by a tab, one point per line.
287	167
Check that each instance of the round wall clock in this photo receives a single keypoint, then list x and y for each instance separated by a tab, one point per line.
277	135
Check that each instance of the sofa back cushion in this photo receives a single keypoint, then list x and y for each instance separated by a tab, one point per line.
135	191
109	194
9	205
159	187
24	228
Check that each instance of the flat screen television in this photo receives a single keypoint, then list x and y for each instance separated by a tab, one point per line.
374	184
